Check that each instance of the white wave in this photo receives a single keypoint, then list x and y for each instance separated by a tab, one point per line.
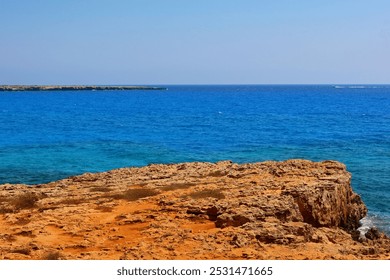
366	223
372	220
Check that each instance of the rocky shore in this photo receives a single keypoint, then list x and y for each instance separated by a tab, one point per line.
67	88
295	209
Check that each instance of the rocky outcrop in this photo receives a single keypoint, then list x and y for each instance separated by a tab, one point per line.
295	209
326	201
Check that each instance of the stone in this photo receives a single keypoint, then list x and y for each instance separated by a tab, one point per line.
295	209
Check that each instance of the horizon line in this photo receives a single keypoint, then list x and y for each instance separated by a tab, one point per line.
209	84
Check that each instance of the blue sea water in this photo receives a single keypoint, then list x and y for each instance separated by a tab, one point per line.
46	136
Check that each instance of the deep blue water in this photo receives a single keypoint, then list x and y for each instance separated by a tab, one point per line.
46	136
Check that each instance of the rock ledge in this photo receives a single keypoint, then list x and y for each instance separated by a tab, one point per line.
295	209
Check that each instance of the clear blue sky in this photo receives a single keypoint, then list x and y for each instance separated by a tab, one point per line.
194	42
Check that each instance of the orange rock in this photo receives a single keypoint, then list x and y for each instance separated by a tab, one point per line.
295	209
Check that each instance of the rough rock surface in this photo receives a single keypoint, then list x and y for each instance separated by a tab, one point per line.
295	209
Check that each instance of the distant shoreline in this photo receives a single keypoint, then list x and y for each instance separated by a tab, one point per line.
73	88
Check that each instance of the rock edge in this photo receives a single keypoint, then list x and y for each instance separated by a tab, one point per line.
296	209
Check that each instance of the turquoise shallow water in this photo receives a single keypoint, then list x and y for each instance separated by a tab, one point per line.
46	136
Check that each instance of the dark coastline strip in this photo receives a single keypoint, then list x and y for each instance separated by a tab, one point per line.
67	88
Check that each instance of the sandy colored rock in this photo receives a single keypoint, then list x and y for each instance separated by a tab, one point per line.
295	209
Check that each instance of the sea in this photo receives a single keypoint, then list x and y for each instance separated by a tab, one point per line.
46	136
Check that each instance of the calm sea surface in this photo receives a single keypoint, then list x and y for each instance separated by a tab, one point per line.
46	136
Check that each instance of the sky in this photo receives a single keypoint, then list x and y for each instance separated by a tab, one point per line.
150	42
